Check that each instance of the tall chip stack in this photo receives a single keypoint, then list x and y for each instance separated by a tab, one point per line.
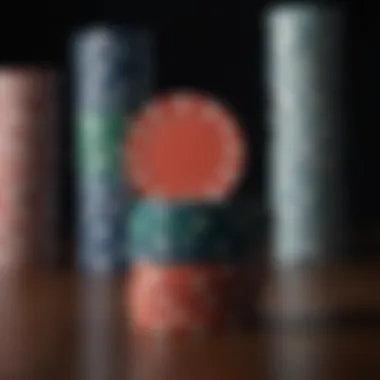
185	156
28	167
113	75
305	74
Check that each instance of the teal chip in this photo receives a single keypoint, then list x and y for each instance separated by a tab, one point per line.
166	232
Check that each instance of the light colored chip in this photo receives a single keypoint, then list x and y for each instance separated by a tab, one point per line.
99	39
287	37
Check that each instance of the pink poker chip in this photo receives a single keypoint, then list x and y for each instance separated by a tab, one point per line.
27	135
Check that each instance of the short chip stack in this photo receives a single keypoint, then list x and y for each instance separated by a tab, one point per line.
185	156
112	68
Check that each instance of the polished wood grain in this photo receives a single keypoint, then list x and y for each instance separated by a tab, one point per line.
316	323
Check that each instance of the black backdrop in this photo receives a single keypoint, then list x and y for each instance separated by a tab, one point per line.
216	46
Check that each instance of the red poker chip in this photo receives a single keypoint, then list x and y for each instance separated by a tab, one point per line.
185	146
182	298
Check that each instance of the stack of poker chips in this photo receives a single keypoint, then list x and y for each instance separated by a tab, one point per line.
304	51
113	76
28	167
185	156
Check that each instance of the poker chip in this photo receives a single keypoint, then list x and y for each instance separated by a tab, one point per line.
185	146
27	133
99	60
304	49
99	142
113	67
173	233
100	224
164	299
178	232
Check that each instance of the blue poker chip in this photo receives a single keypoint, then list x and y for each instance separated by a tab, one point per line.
101	241
101	233
113	68
170	233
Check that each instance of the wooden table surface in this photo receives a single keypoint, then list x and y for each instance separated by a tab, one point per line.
312	324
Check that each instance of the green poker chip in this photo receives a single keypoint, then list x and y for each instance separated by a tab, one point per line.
99	144
169	232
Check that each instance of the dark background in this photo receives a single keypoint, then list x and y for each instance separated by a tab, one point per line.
215	46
